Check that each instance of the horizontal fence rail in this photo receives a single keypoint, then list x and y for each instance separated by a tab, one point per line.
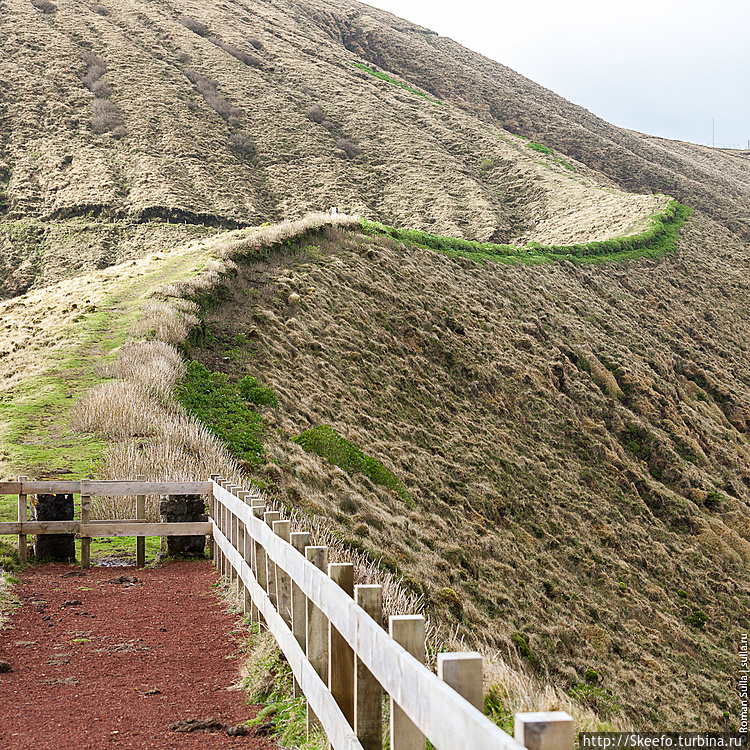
342	659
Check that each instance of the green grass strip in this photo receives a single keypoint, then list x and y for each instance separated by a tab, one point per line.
386	77
658	239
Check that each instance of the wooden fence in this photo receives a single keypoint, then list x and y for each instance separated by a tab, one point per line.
329	630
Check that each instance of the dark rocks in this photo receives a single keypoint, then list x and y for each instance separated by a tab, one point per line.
5	667
58	547
238	731
184	509
197	725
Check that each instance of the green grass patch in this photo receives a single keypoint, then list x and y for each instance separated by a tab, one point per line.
326	442
539	147
386	77
221	406
660	238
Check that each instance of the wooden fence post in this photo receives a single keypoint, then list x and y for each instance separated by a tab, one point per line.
299	540
259	503
368	695
283	530
212	512
22	516
233	529
463	672
552	730
243	549
340	653
259	557
409	632
85	518
140	514
317	632
269	517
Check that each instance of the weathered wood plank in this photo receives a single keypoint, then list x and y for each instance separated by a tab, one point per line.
368	694
116	528
107	528
140	514
547	730
108	488
463	672
10	488
85	518
409	631
317	632
340	653
283	585
22	517
40	527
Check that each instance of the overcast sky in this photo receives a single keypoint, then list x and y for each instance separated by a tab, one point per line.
663	67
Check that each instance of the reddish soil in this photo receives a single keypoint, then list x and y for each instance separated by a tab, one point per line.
122	666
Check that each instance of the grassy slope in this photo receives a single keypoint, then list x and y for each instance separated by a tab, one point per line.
53	343
574	439
76	200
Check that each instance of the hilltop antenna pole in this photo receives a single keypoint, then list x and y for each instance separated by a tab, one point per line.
713	132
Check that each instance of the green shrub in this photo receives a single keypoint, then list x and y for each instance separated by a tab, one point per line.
539	147
697	619
256	393
326	442
216	402
522	645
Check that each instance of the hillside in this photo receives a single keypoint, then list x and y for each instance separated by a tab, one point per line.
569	440
156	122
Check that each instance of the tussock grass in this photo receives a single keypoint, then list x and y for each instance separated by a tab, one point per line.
167	323
157	365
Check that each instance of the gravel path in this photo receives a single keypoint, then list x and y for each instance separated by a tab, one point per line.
114	657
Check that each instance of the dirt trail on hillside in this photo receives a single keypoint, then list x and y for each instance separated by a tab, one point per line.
103	662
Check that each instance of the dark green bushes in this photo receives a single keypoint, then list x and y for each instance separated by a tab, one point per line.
225	409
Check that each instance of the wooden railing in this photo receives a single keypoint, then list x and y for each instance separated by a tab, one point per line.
329	630
342	658
87	528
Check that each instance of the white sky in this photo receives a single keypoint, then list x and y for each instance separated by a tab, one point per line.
662	67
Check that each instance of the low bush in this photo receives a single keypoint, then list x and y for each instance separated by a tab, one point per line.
253	42
107	117
242	142
194	25
101	10
256	393
218	404
208	88
315	113
326	442
348	147
44	5
539	147
95	69
250	60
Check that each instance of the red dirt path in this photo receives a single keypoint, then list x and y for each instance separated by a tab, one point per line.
118	669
